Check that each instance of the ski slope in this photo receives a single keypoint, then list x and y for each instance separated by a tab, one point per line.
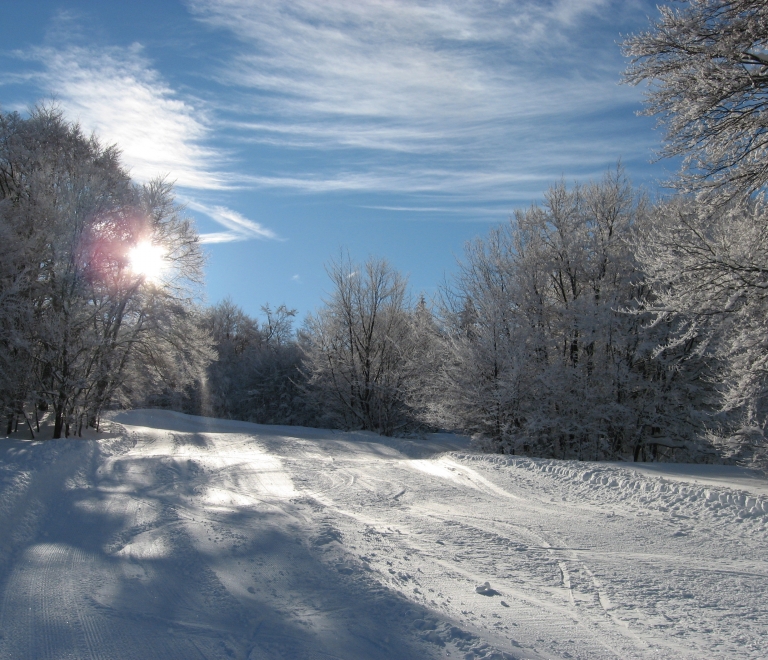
184	537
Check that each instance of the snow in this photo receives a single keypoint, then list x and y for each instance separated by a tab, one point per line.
186	537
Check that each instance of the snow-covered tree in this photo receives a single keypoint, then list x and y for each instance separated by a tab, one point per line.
548	352
423	355
274	392
358	348
102	274
256	376
478	374
709	269
236	337
707	65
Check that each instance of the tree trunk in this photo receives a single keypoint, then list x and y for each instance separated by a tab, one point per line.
58	424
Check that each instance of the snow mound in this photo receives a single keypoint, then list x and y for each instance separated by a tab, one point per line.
486	589
609	484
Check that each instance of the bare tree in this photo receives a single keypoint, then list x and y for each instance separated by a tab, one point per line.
358	347
707	65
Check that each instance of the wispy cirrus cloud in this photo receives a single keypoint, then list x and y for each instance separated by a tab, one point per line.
239	228
118	94
436	63
431	98
482	91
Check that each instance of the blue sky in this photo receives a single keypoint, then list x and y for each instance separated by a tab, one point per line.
296	129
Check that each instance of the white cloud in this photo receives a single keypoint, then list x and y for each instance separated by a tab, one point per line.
426	70
239	228
442	210
568	12
451	95
119	96
116	93
527	171
490	100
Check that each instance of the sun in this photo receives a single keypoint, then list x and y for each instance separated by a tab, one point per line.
147	260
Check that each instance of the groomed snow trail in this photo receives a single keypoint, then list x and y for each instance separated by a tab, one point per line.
184	537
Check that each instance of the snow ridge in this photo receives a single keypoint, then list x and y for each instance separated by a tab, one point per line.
611	484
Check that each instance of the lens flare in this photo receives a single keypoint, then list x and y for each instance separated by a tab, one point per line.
147	260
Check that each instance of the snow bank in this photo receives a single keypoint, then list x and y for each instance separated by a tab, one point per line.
676	490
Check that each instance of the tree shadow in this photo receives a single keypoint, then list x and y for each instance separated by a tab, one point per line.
124	562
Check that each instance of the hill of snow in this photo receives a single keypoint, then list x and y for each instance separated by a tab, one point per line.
185	537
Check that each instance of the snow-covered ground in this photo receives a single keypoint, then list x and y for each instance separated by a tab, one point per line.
184	537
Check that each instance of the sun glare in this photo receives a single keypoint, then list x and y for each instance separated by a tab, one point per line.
147	260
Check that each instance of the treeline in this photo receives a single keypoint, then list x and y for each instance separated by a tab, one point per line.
256	375
597	325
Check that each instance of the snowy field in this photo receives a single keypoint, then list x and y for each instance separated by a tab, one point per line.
183	537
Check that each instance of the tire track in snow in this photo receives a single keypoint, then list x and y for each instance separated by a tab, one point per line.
446	470
90	637
581	553
538	598
663	513
34	613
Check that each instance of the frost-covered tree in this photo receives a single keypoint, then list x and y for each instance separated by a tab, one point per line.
85	324
236	337
274	391
423	354
548	352
478	374
707	65
358	349
709	269
256	376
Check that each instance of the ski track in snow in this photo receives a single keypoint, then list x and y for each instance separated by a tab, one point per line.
184	537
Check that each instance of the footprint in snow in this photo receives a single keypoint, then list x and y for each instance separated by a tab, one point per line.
487	590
